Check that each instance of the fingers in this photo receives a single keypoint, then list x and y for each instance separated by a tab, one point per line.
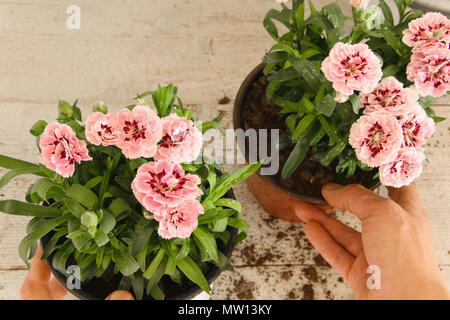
120	295
330	250
355	198
347	237
408	198
39	270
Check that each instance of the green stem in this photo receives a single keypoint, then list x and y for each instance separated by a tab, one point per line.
112	165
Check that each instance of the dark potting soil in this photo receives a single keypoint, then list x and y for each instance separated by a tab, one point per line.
309	178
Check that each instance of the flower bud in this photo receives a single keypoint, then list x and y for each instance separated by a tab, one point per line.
89	219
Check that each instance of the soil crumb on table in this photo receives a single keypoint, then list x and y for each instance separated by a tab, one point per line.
243	289
308	292
224	100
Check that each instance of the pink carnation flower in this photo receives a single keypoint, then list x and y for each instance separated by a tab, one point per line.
403	170
352	67
417	127
182	141
162	185
389	96
181	221
61	149
431	27
429	69
102	129
359	4
141	130
376	138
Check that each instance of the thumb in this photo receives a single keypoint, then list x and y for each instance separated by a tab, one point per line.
354	198
120	295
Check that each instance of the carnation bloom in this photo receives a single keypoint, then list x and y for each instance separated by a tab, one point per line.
376	138
162	185
181	221
282	1
102	129
417	127
182	141
61	149
359	4
352	67
403	170
429	69
431	27
141	130
389	96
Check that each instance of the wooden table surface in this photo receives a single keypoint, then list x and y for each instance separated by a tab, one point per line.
206	48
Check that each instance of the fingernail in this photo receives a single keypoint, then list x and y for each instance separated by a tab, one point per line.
332	187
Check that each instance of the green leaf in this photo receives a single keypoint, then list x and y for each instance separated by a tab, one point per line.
390	71
193	273
62	254
38	128
284	75
125	262
334	152
229	203
94	182
27	209
108	222
208	242
154	264
295	158
157	275
44	185
308	71
232	180
7	177
11	163
387	13
83	195
303	127
27	242
330	129
184	251
137	282
326	105
101	238
276	56
392	40
356	103
118	206
65	109
239	224
336	15
163	99
52	244
74	207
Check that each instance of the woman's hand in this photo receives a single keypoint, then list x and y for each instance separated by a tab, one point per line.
396	238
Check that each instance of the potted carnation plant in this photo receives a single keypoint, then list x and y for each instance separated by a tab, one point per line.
351	107
129	200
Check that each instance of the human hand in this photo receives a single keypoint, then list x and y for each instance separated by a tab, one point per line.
396	237
39	285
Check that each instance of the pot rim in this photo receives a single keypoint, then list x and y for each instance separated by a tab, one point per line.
238	105
188	294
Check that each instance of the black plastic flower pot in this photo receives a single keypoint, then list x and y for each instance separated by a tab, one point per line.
100	288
